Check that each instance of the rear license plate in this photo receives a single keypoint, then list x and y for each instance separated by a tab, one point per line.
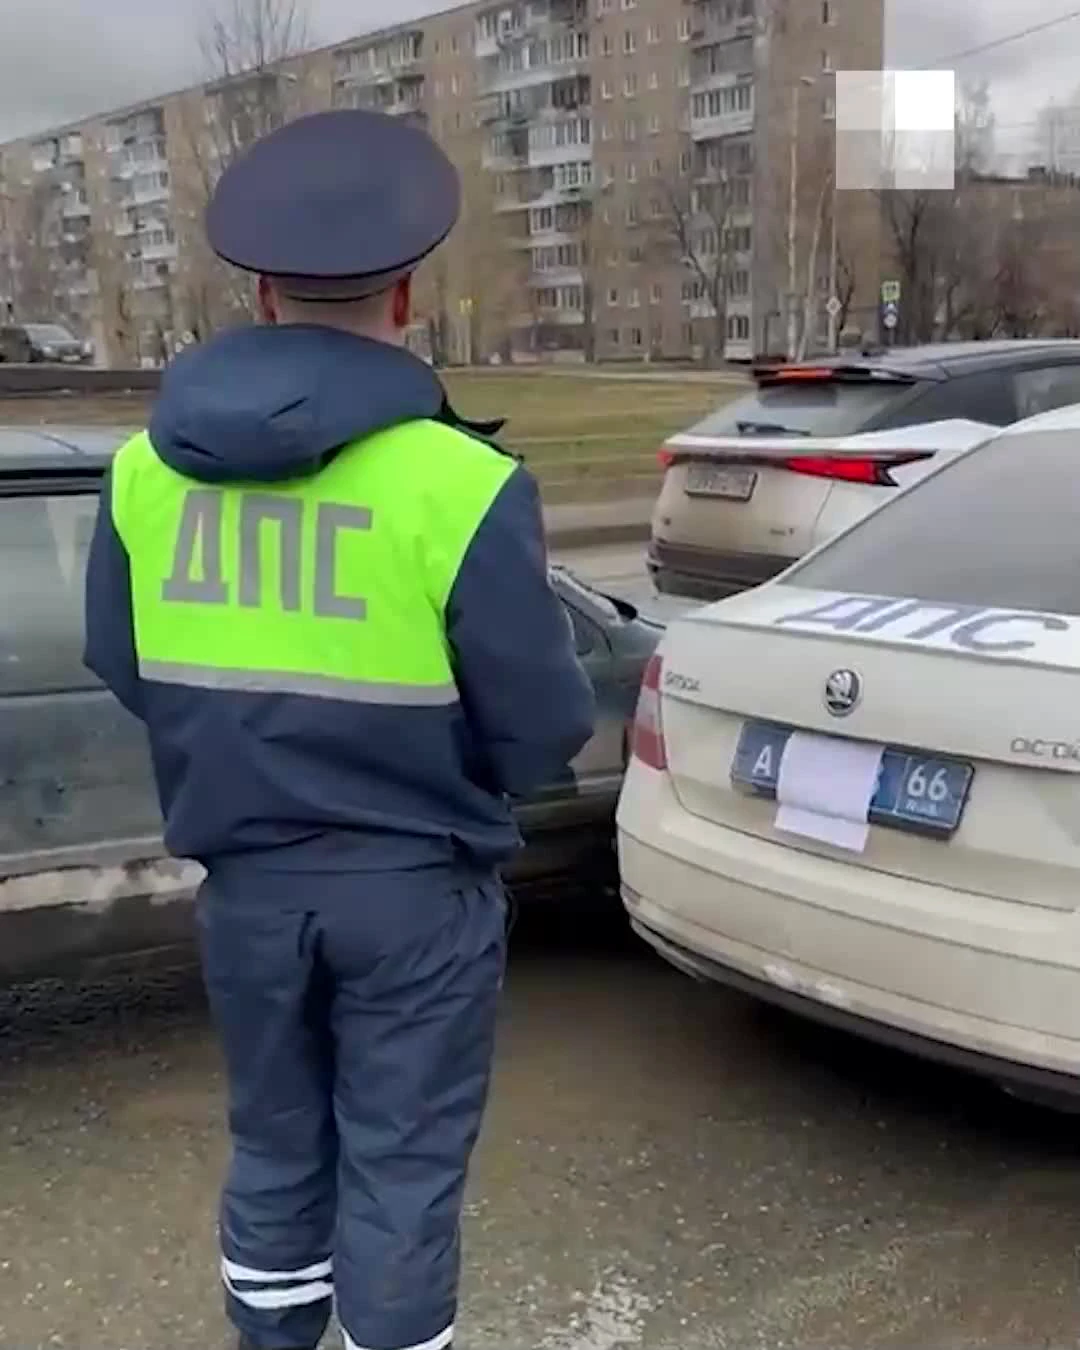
707	480
916	792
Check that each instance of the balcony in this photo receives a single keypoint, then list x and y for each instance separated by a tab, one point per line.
150	193
161	252
563	318
719	21
726	110
724	124
541	157
556	276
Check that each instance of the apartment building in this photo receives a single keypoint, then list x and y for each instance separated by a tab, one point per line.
626	168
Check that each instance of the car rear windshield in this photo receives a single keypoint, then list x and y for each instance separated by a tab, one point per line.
805	407
997	528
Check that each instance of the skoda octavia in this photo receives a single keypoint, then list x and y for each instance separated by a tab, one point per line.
855	791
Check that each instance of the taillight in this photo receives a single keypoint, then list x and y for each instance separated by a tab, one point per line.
647	742
665	457
849	470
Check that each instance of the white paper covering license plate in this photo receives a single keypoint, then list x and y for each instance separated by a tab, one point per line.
707	480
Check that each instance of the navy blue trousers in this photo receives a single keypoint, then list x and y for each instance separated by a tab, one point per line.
357	1017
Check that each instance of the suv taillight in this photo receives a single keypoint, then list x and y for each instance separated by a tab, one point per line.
647	743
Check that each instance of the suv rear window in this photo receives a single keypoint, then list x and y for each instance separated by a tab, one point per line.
996	528
44	544
806	407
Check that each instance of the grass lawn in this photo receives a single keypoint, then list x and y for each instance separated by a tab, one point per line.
585	437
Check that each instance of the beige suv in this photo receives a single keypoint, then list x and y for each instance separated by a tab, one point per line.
814	447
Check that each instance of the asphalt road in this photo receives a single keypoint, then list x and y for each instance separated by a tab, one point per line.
664	1166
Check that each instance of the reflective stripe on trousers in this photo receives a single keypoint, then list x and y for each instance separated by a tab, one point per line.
278	1288
358	1028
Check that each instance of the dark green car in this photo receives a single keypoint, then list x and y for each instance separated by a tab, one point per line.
83	877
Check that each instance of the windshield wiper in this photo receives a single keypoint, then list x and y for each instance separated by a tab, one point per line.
768	429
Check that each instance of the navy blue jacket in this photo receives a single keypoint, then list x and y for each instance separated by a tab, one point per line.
303	783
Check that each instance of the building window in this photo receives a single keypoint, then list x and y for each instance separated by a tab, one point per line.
686	160
637	337
685	27
654	79
606	46
629	41
630	129
656	295
603	6
455	84
613	258
655	125
631	172
635	254
609	175
826	61
629	4
738	328
613	297
656	169
828	12
632	216
605	131
684	77
630	86
606	91
654	35
614	337
829	110
656	208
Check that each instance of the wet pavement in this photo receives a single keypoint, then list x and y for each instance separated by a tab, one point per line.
664	1166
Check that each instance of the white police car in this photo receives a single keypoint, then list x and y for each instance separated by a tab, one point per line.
855	790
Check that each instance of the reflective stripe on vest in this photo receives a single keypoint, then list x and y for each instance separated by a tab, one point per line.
330	586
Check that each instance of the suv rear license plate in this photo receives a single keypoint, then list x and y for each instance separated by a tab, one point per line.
920	793
707	480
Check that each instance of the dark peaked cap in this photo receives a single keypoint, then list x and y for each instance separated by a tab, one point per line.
335	206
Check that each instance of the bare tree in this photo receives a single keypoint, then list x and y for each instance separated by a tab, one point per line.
37	229
694	228
246	47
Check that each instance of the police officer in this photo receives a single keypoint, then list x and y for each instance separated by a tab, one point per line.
327	598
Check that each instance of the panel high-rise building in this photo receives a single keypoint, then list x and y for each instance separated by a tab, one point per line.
626	165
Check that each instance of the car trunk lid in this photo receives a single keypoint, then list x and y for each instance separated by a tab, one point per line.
982	697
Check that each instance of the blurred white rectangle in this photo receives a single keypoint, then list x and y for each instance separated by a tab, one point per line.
895	129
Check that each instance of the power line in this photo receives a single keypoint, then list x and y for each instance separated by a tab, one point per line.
1010	38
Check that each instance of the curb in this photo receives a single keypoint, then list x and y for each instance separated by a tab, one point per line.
599	536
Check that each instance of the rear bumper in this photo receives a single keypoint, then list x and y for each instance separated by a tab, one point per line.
1004	1071
705	574
978	980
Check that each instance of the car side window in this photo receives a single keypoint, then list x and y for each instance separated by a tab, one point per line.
44	545
982	397
1046	387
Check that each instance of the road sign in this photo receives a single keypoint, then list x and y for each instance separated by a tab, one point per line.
891	319
833	307
890	292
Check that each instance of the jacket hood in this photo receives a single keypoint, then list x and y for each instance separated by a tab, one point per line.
269	403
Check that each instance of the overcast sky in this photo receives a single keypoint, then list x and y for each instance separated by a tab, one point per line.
63	59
